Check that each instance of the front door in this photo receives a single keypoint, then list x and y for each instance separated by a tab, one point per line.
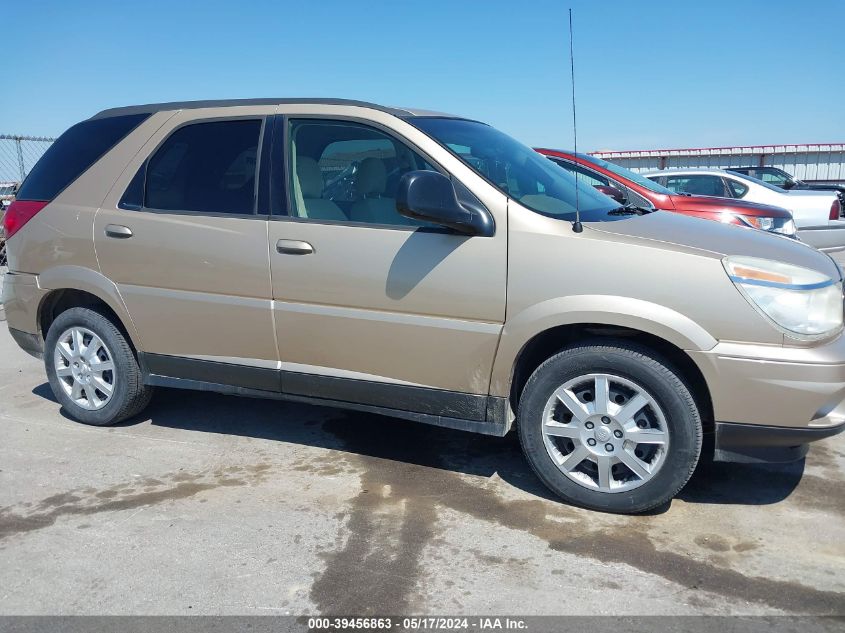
372	307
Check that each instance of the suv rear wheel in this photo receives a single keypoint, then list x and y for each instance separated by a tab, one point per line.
610	426
92	370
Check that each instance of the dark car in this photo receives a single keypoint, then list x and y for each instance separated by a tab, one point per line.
632	189
784	180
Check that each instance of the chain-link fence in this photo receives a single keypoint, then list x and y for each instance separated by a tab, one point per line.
17	156
19	153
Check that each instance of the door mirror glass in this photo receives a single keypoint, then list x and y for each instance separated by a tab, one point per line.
613	192
429	196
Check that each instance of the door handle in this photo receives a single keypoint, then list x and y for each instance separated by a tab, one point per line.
294	247
118	231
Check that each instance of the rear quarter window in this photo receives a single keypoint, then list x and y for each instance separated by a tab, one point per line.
73	153
737	188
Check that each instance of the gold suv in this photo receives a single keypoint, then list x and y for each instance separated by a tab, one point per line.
421	265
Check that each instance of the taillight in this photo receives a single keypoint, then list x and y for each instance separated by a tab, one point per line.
835	210
19	213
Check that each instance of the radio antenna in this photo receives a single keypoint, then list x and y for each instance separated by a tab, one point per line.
577	227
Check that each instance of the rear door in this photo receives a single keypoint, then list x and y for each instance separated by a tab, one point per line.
371	307
184	236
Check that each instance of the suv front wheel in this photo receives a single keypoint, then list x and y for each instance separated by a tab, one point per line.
92	370
610	426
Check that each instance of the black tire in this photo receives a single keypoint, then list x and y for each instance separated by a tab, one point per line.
130	395
639	365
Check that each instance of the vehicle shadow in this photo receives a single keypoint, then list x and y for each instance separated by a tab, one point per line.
427	446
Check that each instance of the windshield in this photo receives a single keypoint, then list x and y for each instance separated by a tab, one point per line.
517	170
642	181
762	183
774	176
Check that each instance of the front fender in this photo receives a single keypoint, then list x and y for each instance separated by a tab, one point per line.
627	312
92	282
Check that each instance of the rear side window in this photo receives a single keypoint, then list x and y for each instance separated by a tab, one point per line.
73	153
207	168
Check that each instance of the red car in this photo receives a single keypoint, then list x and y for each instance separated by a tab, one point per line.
631	189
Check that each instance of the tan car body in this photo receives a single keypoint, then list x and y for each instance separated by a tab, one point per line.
439	327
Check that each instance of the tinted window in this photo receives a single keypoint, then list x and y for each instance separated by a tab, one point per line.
517	170
345	171
698	185
206	167
737	188
73	153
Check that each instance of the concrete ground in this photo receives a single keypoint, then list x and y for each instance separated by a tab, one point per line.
220	505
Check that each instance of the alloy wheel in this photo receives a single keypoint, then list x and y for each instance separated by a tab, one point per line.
605	432
85	368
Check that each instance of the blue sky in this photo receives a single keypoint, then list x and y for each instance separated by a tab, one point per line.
649	74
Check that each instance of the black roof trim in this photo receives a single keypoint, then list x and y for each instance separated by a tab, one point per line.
221	103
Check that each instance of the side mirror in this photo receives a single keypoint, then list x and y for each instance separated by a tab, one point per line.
613	192
430	196
788	184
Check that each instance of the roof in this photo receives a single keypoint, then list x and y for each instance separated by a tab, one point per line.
150	108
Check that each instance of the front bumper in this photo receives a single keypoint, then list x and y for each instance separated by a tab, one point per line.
774	397
752	443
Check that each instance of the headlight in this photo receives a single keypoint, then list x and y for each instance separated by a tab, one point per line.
782	226
804	303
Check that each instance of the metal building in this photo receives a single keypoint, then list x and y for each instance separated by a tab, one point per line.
812	162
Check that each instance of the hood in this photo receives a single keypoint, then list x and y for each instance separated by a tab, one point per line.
712	204
717	240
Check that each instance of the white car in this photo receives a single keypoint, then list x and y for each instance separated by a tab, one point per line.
817	214
7	193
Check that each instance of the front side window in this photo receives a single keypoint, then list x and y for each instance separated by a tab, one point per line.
517	170
697	185
348	172
207	168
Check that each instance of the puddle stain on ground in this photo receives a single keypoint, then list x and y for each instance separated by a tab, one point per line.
385	566
408	474
180	485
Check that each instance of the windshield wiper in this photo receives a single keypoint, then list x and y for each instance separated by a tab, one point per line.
628	209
